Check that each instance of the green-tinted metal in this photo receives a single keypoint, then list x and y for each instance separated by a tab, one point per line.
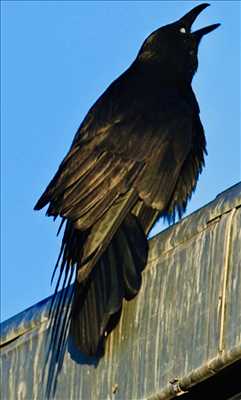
184	325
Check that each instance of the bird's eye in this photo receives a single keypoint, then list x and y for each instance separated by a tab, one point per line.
182	30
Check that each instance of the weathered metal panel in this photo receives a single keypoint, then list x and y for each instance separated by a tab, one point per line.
233	306
184	325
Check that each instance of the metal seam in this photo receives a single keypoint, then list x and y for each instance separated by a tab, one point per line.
225	281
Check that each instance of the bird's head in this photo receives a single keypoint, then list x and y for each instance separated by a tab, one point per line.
173	48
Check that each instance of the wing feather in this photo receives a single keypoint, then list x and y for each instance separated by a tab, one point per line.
139	142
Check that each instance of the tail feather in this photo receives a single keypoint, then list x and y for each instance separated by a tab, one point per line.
89	310
60	307
117	275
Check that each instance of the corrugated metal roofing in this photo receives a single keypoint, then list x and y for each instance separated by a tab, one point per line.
184	325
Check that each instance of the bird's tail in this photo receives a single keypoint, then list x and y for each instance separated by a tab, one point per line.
117	275
89	310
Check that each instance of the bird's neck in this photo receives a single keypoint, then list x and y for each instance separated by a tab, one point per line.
155	75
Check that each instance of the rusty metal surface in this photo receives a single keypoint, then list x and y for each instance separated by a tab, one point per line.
184	325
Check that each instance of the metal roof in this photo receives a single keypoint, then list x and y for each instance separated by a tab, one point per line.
184	325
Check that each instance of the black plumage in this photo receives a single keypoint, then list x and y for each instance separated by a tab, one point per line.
136	157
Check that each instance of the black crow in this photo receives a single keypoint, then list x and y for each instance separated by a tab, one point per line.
136	157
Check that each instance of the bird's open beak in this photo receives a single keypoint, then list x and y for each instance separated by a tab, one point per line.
188	19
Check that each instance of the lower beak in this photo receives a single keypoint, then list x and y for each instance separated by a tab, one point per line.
203	31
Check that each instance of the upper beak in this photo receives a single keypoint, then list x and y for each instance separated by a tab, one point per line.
189	18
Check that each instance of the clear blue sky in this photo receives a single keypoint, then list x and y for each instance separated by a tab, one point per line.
57	57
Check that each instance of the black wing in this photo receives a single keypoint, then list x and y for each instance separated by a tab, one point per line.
129	140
